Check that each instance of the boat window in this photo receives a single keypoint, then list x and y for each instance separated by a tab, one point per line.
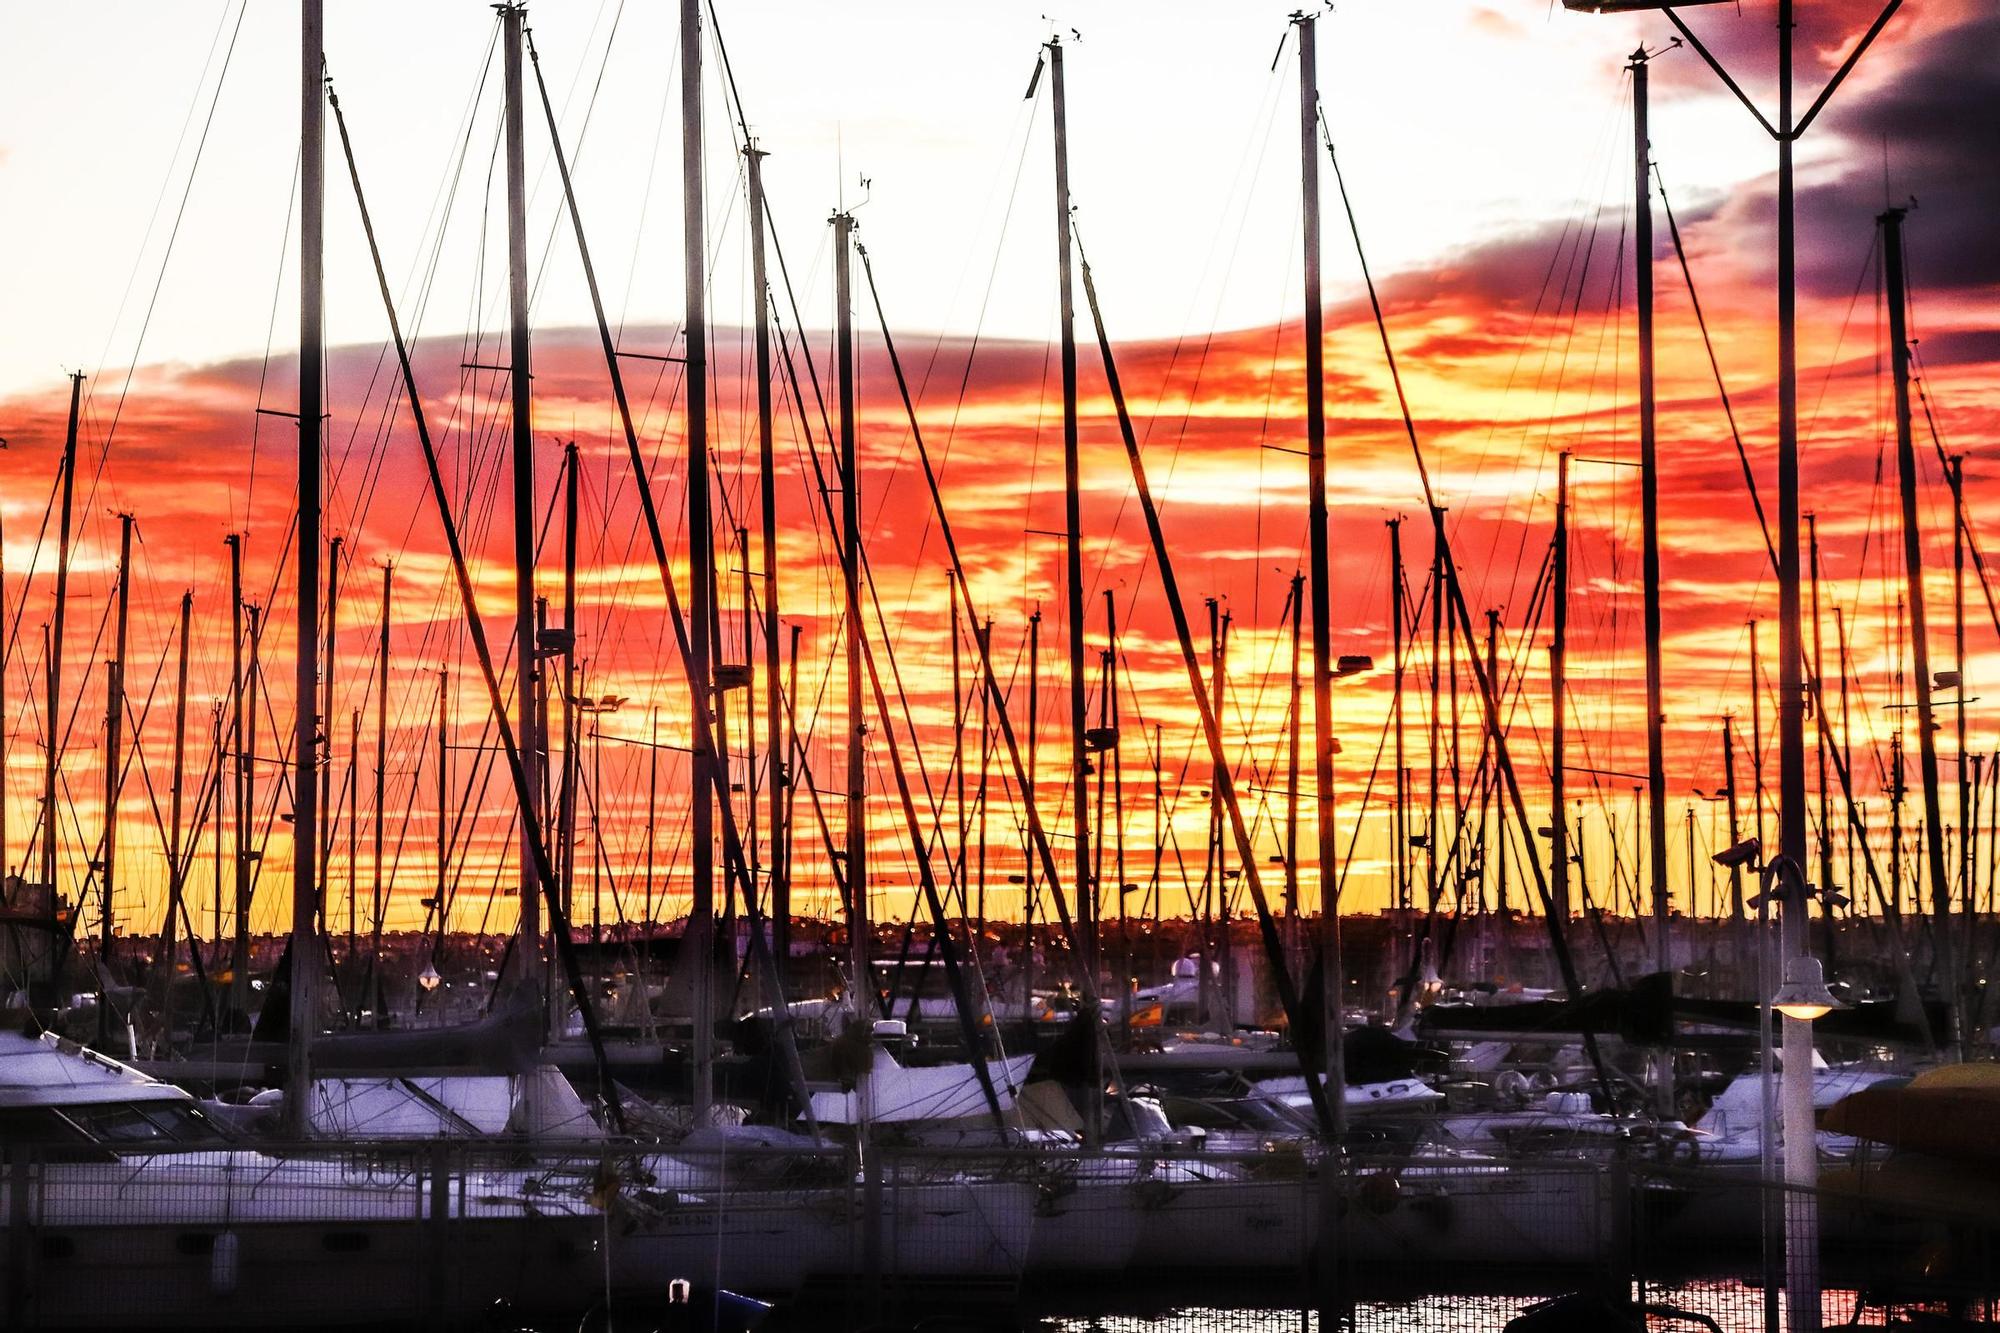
184	1123
160	1123
118	1124
34	1124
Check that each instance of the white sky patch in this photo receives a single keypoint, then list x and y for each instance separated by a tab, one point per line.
1452	127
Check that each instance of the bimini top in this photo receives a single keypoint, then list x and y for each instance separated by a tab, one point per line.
53	1071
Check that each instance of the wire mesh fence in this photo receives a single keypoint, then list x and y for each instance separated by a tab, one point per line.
1125	1238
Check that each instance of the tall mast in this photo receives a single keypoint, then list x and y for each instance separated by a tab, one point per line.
1846	741
1225	942
240	725
1085	892
1738	918
652	829
221	756
114	735
176	869
442	885
381	784
1757	732
597	798
1322	598
701	555
1028	881
958	749
1292	739
325	766
1433	859
52	749
1826	877
1559	699
767	504
305	734
1949	982
1649	489
859	927
1212	1007
253	676
353	831
1116	755
752	849
546	808
1649	492
527	662
566	785
984	634
1102	764
782	855
1400	822
1968	767
1490	779
1501	903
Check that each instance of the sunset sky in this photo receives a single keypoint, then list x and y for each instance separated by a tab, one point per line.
147	157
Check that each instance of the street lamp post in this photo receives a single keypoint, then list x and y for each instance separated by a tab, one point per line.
1801	998
1801	1219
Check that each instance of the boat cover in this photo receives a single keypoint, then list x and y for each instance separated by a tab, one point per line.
939	1092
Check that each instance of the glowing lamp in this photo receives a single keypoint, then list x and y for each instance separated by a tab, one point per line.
1804	995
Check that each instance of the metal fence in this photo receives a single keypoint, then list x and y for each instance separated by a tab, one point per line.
443	1234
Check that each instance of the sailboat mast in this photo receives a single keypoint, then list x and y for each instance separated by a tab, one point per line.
1224	1013
1968	768
1433	864
221	756
653	832
1826	878
701	557
239	727
1649	490
1116	757
1322	601
1400	823
782	862
859	927
439	905
958	747
114	734
305	736
176	868
353	832
52	747
1559	699
381	779
1084	891
1490	775
985	637
752	846
1739	925
1757	732
1503	906
1846	736
1950	985
767	500
1292	739
527	662
566	785
1028	881
325	766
